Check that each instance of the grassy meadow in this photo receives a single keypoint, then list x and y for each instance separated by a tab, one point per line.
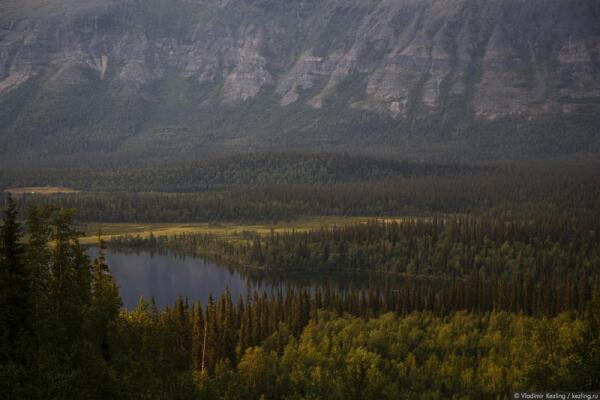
41	190
227	230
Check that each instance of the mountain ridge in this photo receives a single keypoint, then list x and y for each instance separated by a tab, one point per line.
439	78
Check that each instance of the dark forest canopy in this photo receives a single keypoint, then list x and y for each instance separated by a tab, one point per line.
452	246
285	187
501	266
537	266
283	168
237	170
65	336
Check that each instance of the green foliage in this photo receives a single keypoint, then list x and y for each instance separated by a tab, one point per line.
105	302
466	355
67	337
14	278
56	325
542	265
239	170
15	318
285	186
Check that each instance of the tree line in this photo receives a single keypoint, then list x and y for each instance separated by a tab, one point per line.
56	309
534	266
257	169
477	194
64	335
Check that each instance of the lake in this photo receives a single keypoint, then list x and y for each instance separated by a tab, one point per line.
167	276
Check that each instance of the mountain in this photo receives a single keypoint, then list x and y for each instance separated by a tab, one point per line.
176	79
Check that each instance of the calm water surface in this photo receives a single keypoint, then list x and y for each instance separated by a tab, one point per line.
166	276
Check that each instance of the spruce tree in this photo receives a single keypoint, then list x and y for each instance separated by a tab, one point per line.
38	257
15	279
14	309
106	301
198	328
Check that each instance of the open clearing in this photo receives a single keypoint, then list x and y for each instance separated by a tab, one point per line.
111	230
40	190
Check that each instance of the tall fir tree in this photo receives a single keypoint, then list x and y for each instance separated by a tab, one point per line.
15	311
106	301
198	336
15	286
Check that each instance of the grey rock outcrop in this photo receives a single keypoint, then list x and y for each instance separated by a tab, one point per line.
462	62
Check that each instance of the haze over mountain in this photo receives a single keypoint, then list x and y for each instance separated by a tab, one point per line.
177	79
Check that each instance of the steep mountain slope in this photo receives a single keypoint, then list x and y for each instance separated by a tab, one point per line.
430	78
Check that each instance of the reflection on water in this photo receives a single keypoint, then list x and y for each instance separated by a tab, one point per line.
167	276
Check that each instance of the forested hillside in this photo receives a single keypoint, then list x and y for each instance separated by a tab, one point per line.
238	170
161	80
306	199
64	336
539	266
344	187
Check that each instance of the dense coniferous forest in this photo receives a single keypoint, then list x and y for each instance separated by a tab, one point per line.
65	336
537	266
562	194
299	199
449	246
475	283
288	186
243	169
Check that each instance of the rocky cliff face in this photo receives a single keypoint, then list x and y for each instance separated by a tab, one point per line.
188	76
